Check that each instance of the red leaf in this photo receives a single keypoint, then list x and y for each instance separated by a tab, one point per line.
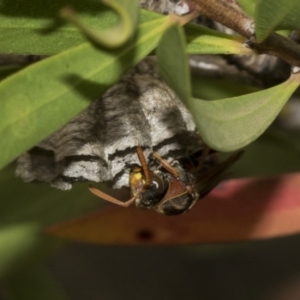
237	210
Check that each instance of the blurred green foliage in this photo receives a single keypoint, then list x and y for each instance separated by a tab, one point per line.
35	28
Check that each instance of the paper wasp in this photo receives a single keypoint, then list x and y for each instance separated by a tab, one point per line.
172	188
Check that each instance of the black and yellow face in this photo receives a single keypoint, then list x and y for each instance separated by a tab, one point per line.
136	180
179	198
147	195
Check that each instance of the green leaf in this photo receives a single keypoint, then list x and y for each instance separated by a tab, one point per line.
172	62
146	16
115	36
34	27
230	124
8	70
275	15
43	97
214	88
248	6
202	40
173	65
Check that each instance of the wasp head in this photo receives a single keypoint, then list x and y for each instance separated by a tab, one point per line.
147	194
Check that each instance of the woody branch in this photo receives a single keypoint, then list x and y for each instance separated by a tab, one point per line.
229	14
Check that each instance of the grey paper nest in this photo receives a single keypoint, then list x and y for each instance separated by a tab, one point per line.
100	144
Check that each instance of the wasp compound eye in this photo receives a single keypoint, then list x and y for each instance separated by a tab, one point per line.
149	197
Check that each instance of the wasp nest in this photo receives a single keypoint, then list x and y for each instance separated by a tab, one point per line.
100	144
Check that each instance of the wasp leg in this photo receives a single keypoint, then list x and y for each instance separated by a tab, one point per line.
165	164
146	171
203	157
111	199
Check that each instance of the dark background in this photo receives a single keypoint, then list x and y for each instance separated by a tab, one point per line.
256	270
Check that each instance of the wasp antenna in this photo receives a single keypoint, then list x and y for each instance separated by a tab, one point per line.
111	199
165	164
144	164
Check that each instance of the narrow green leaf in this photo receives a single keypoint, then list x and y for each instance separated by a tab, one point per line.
230	124
172	62
275	15
214	88
202	40
43	97
147	15
115	36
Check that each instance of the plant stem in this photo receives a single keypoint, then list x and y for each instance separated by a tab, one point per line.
229	14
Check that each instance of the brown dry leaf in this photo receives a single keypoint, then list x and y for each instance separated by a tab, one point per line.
237	210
